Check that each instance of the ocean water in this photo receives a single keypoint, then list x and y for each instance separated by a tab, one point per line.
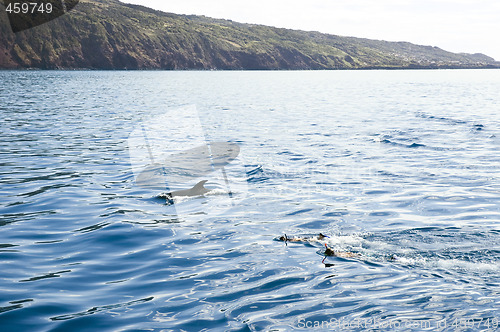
401	168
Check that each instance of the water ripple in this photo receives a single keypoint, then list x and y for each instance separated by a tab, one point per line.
409	184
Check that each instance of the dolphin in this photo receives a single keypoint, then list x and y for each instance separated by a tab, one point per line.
343	254
305	238
197	190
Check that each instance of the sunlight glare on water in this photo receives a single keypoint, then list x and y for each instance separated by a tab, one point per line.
399	167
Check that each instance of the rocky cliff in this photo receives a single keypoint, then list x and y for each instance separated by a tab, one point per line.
108	34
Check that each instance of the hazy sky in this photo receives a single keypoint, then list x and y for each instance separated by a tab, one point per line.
470	26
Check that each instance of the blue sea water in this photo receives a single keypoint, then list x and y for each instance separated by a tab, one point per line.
400	167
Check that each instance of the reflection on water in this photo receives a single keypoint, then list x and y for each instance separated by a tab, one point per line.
398	167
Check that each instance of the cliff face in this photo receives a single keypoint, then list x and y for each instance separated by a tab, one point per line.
107	34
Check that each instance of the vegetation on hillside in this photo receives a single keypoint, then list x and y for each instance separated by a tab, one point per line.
108	34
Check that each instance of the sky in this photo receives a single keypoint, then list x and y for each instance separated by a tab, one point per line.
469	26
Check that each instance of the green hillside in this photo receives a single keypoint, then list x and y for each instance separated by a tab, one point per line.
108	34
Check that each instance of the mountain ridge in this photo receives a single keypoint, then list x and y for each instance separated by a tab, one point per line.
109	34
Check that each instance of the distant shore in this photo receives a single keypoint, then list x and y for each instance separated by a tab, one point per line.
119	36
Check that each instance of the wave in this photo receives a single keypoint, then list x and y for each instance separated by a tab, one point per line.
474	126
444	119
410	146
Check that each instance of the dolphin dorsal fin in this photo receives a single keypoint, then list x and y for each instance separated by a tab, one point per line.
199	188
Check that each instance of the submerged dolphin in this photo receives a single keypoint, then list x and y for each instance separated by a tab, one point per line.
198	190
